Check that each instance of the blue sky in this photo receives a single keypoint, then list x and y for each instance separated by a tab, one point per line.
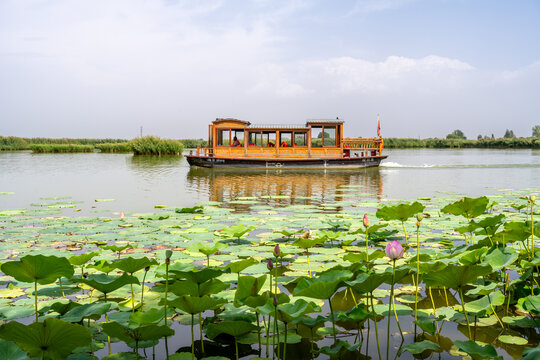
105	68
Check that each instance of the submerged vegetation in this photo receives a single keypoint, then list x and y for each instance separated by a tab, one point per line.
456	276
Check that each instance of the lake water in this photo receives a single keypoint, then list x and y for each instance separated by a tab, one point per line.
138	183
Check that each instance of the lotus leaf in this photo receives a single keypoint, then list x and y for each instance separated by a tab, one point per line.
531	353
106	284
10	351
323	286
194	304
338	347
39	268
248	290
467	207
92	311
501	257
400	212
83	258
288	312
233	328
456	276
132	265
419	347
238	266
509	339
53	338
477	351
140	333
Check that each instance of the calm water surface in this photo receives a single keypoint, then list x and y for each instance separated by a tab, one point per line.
138	183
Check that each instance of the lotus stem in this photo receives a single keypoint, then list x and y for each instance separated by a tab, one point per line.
390	309
142	286
258	331
35	298
308	265
207	260
285	343
367	246
267	326
61	287
193	338
417	272
434	311
236	347
276	331
405	231
200	328
165	304
132	299
353	297
332	318
495	313
397	318
375	322
465	313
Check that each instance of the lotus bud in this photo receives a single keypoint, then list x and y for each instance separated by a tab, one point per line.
146	269
419	217
533	198
85	275
168	261
418	223
274	301
270	265
168	254
394	250
277	251
366	221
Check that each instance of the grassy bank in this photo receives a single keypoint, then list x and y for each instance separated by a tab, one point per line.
21	143
60	148
152	145
400	143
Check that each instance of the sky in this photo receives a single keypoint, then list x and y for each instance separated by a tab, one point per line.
106	68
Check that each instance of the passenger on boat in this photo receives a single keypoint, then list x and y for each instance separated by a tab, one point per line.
236	142
283	144
271	144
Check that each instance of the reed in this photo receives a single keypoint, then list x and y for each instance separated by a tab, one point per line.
192	143
60	148
152	145
122	147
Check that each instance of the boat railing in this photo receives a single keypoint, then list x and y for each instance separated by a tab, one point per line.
363	144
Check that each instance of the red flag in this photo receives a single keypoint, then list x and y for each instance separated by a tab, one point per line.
378	126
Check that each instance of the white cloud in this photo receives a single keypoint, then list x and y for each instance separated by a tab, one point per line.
369	6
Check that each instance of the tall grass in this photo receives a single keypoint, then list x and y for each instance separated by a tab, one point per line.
20	143
122	147
152	145
192	143
60	148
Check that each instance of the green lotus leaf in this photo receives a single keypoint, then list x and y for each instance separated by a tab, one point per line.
467	207
103	266
131	265
513	231
207	250
427	324
188	287
83	258
151	316
39	268
399	212
238	266
197	276
194	304
12	291
501	257
366	283
92	311
233	328
494	299
477	351
248	290
189	210
10	351
339	346
52	338
15	312
288	312
106	283
521	321
531	353
361	256
419	347
490	225
323	286
482	289
116	248
141	333
357	314
373	228
456	276
234	232
306	243
311	322
381	235
128	356
509	339
472	257
530	304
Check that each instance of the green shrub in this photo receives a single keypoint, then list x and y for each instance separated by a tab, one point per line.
153	145
122	147
192	143
12	143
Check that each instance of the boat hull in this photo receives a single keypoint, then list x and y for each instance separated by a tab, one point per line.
328	163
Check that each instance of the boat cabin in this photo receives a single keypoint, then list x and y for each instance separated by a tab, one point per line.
317	139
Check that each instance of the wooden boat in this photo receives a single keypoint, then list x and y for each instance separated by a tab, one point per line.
315	144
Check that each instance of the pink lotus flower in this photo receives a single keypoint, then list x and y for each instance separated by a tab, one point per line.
394	250
277	251
270	264
366	221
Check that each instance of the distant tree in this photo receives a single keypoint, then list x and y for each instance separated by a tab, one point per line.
479	137
492	136
509	134
326	135
456	134
536	131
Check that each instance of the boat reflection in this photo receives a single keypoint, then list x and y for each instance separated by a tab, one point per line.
287	187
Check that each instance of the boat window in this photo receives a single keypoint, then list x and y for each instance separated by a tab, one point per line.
285	139
239	135
269	138
316	136
300	139
223	137
254	139
329	136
